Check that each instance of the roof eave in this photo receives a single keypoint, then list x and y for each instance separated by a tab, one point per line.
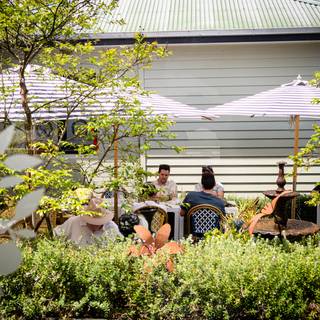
210	36
202	33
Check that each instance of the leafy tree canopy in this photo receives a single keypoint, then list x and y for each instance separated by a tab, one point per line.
48	33
309	155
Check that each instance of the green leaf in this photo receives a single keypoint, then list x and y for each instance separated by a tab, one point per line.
25	233
5	138
11	181
10	258
21	162
28	204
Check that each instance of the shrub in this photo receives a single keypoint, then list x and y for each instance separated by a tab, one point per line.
223	278
248	207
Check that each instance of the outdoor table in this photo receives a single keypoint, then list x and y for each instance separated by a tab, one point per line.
294	229
178	220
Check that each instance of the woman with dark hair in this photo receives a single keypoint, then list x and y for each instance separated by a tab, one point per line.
205	196
217	190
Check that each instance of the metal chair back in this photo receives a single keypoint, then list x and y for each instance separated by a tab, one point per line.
203	218
155	216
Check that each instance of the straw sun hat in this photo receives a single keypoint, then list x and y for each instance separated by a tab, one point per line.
99	215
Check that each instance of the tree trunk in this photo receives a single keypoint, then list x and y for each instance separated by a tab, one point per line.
24	102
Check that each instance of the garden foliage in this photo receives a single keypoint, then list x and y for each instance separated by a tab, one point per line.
222	278
49	34
308	156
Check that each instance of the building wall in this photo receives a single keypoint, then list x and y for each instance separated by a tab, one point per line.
243	150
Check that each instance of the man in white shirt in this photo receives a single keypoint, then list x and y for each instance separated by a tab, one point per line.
167	188
83	230
150	195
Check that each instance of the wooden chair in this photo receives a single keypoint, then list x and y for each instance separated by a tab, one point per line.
155	216
45	223
276	209
37	223
203	218
4	238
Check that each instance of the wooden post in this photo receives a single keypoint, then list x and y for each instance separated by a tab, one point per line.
115	164
295	152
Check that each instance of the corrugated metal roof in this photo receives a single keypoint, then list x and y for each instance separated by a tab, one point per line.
203	15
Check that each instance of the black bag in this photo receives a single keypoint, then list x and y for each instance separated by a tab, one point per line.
127	222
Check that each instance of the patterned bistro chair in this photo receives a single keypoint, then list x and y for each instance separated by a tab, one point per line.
155	216
203	218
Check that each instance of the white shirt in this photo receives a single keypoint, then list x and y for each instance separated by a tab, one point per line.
167	189
77	231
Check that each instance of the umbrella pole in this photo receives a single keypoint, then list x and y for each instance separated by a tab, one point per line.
295	152
115	164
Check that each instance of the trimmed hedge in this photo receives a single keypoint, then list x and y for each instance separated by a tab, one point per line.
224	278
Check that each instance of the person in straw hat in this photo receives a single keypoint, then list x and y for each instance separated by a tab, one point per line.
84	229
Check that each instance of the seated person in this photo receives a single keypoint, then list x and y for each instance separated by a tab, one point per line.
167	188
82	230
217	190
149	195
205	196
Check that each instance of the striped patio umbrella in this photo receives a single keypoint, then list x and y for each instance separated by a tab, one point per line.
294	99
291	99
52	97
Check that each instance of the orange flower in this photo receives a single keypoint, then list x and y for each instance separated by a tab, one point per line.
155	245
